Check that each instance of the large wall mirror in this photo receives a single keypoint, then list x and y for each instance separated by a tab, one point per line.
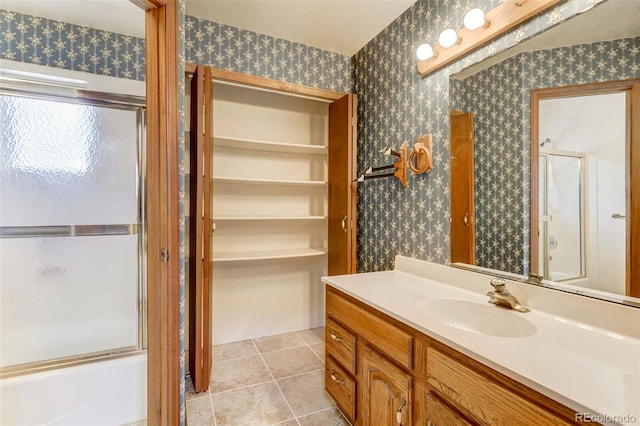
541	169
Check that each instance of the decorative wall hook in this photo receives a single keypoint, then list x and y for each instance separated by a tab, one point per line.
421	156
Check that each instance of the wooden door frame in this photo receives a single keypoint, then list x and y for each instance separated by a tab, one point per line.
162	211
200	228
472	193
268	83
632	88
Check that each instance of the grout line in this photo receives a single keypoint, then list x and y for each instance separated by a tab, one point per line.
309	345
283	422
243	387
234	359
197	397
283	349
316	354
277	385
213	410
319	411
300	374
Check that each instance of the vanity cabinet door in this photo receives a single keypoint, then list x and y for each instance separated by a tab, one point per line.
387	392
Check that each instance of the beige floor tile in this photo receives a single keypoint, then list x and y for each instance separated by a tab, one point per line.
330	417
190	393
291	361
318	348
252	406
238	372
305	393
292	422
315	335
199	412
234	350
278	342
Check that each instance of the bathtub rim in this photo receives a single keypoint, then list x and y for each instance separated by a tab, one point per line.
72	361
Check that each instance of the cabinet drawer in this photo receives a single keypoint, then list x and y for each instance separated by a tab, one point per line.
341	387
394	342
341	345
481	399
440	415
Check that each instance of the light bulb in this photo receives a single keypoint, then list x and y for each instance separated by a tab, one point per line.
474	19
424	51
448	38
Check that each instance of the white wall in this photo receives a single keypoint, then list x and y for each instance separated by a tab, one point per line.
595	126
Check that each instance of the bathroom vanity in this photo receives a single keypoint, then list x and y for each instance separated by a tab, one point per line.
420	345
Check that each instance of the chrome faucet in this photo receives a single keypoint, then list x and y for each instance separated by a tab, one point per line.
501	296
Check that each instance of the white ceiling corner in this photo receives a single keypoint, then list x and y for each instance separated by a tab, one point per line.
342	26
118	16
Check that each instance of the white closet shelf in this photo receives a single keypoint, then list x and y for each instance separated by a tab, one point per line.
290	148
242	256
256	218
270	181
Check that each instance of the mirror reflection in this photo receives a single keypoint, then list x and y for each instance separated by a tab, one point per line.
541	130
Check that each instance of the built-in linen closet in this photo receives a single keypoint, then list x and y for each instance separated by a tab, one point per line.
279	169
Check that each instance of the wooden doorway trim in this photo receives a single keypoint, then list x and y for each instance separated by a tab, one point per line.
200	228
632	88
268	83
341	158
162	212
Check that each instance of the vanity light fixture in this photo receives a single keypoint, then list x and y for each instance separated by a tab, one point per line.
424	51
452	45
474	19
448	38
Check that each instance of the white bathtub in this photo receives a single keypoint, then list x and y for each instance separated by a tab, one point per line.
566	279
110	392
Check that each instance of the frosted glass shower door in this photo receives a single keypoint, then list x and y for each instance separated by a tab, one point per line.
70	227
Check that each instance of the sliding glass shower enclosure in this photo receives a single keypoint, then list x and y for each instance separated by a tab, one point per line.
71	226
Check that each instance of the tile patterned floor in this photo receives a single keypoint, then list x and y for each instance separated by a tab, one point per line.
274	380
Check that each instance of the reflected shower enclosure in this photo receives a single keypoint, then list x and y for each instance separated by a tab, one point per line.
582	190
71	226
561	204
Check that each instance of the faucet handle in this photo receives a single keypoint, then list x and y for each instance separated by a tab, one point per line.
535	278
499	285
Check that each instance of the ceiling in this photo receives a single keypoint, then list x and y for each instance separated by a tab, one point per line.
342	26
612	20
118	16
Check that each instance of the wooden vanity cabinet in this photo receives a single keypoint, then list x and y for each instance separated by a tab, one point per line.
383	372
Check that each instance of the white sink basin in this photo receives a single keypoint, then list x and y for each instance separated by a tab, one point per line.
488	320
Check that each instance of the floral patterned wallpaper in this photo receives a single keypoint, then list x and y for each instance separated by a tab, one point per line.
42	41
234	49
181	197
502	142
395	105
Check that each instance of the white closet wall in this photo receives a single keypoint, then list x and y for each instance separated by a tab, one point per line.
270	207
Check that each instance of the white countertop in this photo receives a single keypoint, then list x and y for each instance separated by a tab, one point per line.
588	369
